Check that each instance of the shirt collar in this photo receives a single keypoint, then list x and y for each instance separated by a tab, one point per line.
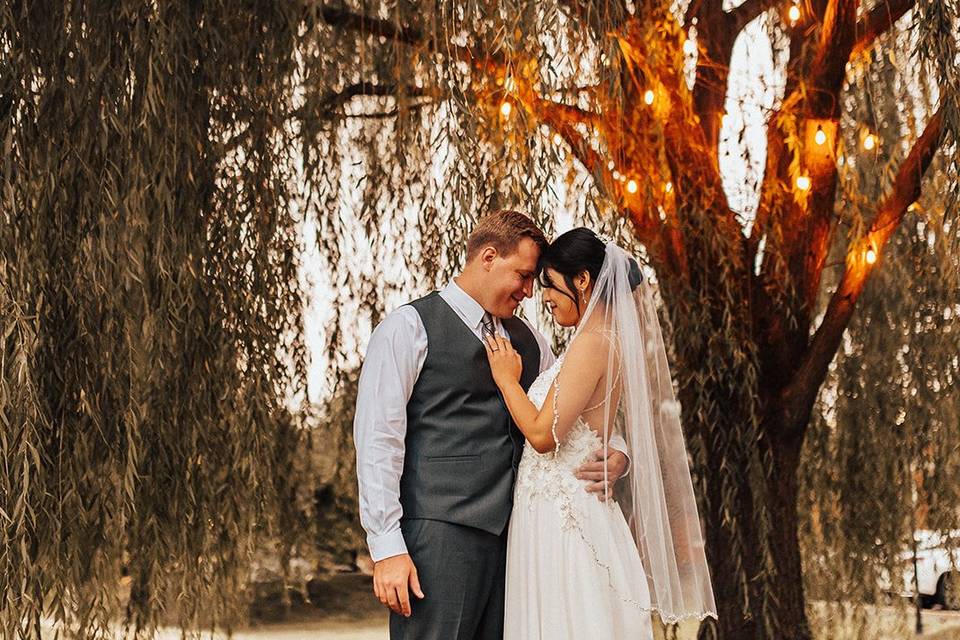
466	306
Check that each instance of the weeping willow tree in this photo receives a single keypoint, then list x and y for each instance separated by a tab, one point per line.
151	342
621	113
159	158
881	457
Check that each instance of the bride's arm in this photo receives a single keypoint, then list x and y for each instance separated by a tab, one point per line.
583	367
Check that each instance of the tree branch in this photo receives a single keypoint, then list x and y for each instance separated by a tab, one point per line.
334	100
828	69
797	398
342	18
878	21
550	111
749	11
562	118
374	26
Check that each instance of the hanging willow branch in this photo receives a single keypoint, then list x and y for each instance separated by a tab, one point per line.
150	297
159	162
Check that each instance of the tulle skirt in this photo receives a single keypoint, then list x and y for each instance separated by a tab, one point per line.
573	572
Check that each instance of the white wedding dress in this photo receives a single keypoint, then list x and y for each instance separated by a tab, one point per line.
573	569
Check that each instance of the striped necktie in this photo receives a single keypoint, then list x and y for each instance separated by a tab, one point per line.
487	328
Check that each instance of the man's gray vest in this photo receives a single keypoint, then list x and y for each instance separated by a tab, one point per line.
462	448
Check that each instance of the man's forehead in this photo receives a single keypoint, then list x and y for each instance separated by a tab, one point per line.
527	254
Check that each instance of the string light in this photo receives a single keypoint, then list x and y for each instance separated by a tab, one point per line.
821	136
557	139
869	142
803	183
668	187
632	186
648	96
505	109
611	165
793	14
689	47
871	255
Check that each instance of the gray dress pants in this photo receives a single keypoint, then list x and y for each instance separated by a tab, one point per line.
462	572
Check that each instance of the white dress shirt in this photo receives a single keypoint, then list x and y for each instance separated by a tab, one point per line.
395	355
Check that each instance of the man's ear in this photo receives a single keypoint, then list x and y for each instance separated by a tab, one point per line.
487	255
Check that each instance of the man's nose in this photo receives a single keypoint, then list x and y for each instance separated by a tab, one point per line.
528	289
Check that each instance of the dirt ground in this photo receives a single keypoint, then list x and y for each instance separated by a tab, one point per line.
343	608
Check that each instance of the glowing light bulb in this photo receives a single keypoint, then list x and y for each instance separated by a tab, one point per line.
871	256
616	174
557	139
794	13
689	47
821	136
869	142
505	109
648	96
668	187
611	165
803	183
632	186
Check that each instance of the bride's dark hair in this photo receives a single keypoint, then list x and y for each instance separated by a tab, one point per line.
570	254
574	252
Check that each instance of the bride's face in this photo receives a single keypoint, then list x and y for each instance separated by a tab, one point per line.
560	300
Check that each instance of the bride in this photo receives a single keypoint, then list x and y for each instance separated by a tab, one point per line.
578	567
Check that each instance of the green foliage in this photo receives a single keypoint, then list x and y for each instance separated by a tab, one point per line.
883	451
150	308
159	161
338	531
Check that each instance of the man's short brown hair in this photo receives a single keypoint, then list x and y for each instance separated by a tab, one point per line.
503	230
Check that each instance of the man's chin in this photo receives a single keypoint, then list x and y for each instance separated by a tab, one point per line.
508	310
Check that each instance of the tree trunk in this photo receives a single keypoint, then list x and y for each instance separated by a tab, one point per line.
783	490
733	536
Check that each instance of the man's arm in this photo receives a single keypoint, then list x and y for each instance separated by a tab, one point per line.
393	361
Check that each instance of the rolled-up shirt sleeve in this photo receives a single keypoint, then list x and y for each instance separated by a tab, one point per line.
393	361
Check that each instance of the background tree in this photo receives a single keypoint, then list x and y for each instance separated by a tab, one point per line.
488	103
158	160
151	341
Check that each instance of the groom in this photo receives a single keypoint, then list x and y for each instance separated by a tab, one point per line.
437	451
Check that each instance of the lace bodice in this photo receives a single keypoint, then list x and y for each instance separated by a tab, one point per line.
551	475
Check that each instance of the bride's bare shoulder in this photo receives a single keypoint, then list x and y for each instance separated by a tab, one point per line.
589	344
